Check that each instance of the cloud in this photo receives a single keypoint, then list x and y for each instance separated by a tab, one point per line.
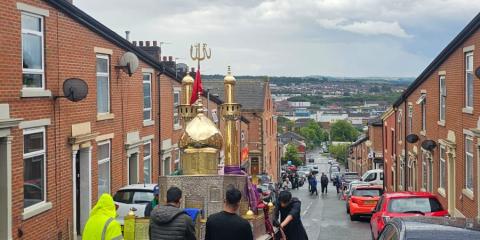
295	37
365	27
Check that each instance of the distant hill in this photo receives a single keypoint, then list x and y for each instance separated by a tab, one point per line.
321	79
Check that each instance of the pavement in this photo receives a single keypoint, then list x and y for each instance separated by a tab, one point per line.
324	216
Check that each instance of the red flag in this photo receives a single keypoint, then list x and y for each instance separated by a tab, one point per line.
197	87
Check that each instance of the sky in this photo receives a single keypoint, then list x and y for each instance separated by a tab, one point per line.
343	38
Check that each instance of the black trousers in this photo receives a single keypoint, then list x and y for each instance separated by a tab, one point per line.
324	188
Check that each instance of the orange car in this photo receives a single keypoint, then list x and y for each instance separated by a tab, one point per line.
363	200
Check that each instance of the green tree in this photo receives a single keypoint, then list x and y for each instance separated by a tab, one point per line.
313	134
284	124
343	131
291	154
339	151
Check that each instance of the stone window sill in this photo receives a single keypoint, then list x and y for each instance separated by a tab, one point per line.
468	110
36	209
441	123
468	193
148	123
423	133
32	93
423	190
105	116
441	191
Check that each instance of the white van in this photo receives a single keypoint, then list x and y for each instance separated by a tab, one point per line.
374	177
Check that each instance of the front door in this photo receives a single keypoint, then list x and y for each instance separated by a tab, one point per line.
451	185
133	169
82	188
255	167
4	209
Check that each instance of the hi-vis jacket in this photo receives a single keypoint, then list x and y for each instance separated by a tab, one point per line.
102	225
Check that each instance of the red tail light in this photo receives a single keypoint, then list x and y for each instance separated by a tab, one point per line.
355	200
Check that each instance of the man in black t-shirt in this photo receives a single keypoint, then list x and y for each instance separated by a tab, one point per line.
227	224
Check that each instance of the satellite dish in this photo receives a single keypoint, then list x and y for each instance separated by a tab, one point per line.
75	89
129	63
429	145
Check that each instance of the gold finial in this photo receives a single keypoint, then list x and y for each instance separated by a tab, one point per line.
131	212
249	215
270	204
229	78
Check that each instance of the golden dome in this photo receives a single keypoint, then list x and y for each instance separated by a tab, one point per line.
201	132
187	79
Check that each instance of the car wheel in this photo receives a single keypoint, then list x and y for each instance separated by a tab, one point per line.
353	217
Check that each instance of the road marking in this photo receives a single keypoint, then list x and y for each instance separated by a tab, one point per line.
306	209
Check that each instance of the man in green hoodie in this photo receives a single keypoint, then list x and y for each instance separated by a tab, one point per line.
152	204
102	224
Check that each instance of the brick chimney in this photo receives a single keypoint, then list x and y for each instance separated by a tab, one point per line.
150	47
169	62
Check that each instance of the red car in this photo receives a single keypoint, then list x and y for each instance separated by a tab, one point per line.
363	200
404	204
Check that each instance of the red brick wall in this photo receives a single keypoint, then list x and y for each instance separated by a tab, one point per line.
388	153
455	121
69	53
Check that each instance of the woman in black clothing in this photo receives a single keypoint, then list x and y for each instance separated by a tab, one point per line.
288	209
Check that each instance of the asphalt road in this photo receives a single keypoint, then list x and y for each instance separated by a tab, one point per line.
324	216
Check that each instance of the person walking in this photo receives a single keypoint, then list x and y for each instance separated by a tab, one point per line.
227	224
338	183
152	204
101	224
313	186
324	183
170	222
288	209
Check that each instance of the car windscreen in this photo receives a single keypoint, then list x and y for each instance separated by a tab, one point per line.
371	192
416	204
133	196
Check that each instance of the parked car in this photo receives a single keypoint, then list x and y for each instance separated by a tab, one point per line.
314	169
135	196
348	177
438	228
311	160
348	192
374	176
363	201
404	204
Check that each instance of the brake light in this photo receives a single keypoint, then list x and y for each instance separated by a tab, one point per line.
355	200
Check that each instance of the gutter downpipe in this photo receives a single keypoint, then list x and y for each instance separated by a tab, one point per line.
159	123
405	142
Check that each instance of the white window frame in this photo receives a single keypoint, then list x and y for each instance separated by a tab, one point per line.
468	71
468	154
35	154
443	97
424	172
410	117
149	157
101	74
42	35
176	125
423	105
106	160
149	81
442	175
